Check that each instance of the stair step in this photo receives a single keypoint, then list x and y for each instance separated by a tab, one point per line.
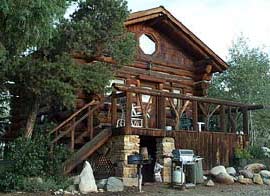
87	149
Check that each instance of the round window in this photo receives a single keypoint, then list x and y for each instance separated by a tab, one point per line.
147	44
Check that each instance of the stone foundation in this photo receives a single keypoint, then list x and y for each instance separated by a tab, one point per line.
117	150
164	147
119	147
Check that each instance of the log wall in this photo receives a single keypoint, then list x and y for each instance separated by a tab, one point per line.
168	63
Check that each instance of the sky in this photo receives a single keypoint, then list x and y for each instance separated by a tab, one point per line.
218	22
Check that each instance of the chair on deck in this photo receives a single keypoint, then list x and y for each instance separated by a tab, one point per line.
136	117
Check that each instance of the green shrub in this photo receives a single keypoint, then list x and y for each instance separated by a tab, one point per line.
242	154
256	152
34	158
252	152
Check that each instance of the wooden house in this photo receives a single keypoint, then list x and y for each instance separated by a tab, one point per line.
159	102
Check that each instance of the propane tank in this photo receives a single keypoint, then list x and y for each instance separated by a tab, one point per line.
178	175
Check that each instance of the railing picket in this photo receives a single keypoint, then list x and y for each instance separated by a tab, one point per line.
128	111
72	134
69	125
113	109
195	115
90	123
171	114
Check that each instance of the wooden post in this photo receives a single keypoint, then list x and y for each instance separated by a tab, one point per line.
128	112
113	110
229	119
195	115
245	121
232	119
161	110
90	123
72	136
222	117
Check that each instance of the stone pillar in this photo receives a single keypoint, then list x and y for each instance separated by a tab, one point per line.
164	147
117	150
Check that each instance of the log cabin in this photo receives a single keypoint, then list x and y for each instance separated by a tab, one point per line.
159	102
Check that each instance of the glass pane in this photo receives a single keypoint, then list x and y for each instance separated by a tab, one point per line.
147	44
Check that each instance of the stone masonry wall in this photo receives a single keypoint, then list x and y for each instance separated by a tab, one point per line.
117	150
164	147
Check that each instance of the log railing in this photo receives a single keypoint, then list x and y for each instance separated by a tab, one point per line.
162	109
70	124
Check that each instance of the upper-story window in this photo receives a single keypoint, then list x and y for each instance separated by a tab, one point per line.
147	44
108	88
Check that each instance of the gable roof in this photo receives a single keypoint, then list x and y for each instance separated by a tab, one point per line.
182	33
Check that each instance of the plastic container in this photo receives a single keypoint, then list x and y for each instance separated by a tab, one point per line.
178	175
199	171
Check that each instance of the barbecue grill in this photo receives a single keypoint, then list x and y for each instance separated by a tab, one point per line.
184	155
186	159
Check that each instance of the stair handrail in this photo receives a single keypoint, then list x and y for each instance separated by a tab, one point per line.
94	102
73	122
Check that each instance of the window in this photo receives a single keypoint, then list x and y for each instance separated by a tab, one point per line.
147	44
108	89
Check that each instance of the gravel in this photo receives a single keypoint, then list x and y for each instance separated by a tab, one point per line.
164	190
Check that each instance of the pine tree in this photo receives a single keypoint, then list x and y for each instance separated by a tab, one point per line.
37	45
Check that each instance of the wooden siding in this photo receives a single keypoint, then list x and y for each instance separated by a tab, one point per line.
169	62
215	148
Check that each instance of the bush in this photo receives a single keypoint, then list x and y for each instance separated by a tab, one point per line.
34	158
252	152
257	152
242	154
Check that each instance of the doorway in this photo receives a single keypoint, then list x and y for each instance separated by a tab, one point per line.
151	145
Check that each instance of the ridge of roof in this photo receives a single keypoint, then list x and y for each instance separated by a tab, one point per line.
148	14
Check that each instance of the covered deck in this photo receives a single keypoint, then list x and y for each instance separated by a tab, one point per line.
212	128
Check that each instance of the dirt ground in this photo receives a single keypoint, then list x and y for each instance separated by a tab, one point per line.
164	190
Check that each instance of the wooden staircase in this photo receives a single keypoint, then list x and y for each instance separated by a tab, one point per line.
79	133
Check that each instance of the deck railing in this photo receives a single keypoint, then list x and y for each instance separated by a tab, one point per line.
165	110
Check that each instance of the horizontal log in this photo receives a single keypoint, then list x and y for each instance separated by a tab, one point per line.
185	97
161	68
168	77
151	78
202	69
167	85
162	62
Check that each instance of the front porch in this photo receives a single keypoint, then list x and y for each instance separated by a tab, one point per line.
136	112
157	111
212	128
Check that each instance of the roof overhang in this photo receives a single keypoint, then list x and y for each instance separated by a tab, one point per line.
181	32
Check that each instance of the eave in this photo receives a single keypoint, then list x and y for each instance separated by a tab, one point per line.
183	33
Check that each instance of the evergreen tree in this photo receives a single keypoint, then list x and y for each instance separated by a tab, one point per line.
247	80
37	45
